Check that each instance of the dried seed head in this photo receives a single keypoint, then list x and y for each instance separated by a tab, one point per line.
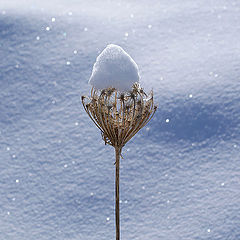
119	116
122	96
103	92
110	91
135	86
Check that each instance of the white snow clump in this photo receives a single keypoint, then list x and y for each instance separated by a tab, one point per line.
114	68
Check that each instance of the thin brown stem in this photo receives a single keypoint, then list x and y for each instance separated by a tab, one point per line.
117	210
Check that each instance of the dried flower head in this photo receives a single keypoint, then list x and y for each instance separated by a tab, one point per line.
119	116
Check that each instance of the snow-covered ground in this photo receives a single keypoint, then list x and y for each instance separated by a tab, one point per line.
180	176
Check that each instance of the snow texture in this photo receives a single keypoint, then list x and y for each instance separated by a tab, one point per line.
180	176
114	68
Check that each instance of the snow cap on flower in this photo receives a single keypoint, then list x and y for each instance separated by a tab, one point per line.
114	68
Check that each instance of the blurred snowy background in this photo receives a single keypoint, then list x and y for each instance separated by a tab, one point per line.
180	176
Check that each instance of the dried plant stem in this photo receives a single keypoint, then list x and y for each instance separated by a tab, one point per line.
117	210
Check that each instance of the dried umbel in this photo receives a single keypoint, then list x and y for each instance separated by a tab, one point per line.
119	116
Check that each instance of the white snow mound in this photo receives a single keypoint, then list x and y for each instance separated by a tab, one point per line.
114	68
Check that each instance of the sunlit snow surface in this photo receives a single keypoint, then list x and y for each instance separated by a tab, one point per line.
180	176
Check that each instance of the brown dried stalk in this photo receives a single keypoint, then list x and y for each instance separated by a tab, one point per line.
119	116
